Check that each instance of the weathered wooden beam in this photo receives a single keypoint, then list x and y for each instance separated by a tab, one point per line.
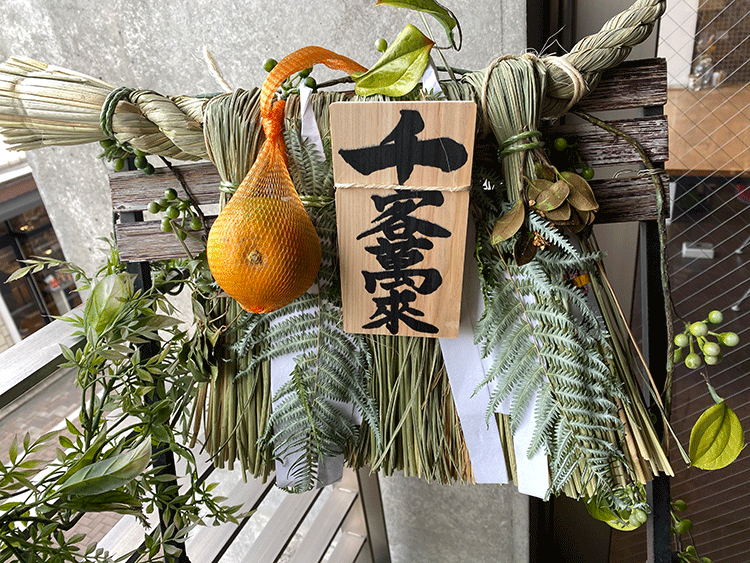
600	148
633	84
620	200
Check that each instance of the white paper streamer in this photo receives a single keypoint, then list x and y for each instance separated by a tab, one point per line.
430	82
532	474
465	368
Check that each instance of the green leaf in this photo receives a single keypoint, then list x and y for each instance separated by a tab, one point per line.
428	7
108	474
105	300
400	68
111	501
600	511
509	224
717	438
13	451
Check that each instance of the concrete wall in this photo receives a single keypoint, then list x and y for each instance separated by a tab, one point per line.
158	45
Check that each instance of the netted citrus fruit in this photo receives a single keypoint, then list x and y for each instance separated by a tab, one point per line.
267	254
263	249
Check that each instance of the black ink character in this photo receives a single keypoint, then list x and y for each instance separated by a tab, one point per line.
402	149
397	250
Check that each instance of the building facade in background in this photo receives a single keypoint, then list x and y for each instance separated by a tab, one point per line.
29	303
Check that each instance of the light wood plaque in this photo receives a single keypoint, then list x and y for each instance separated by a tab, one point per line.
402	172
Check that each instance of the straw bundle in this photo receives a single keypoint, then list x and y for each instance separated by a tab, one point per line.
43	105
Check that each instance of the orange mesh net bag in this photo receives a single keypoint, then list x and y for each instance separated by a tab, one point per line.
263	249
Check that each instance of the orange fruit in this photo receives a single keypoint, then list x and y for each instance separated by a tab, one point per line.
263	249
264	252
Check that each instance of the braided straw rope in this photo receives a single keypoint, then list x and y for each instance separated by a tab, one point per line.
42	105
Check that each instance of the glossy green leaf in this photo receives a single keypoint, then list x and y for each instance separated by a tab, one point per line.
717	438
105	300
429	7
108	474
509	224
400	68
604	513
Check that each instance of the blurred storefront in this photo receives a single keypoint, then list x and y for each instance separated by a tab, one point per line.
25	231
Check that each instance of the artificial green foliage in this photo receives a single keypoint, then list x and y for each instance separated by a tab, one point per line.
134	395
716	438
543	336
332	367
400	68
440	13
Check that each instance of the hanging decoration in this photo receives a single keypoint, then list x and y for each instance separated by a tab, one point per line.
312	344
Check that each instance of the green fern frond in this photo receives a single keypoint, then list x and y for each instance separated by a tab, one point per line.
545	338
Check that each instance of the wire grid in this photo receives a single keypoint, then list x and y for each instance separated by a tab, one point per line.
710	205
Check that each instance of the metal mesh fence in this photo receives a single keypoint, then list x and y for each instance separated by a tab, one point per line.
707	46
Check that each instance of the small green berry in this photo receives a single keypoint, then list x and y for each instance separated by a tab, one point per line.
711	349
713	360
195	223
681	340
172	212
166	225
305	72
148	169
106	143
690	550
140	162
118	164
587	173
269	64
154	207
560	144
170	194
311	83
693	361
729	338
381	45
698	329
715	317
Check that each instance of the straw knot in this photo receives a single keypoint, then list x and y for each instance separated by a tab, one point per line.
108	109
516	143
577	82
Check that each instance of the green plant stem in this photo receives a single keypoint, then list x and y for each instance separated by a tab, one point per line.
669	309
448	67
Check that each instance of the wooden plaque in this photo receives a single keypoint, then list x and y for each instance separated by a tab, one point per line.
402	173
